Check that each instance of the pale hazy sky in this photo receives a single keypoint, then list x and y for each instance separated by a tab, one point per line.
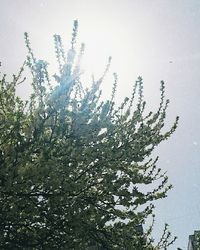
157	39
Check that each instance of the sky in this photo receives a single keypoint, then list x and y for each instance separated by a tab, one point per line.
157	39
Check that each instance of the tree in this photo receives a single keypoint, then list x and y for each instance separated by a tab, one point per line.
74	169
196	240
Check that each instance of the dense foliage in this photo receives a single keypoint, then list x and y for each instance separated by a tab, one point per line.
74	169
197	237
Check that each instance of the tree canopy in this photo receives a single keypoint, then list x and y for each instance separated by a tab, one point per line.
73	168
